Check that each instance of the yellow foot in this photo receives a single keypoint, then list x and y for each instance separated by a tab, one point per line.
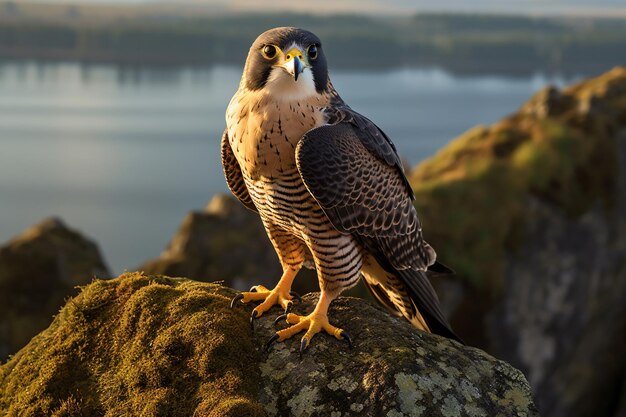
279	295
313	324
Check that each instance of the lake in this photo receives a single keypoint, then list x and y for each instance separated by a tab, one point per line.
122	154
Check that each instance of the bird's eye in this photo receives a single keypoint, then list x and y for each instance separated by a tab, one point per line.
269	51
312	52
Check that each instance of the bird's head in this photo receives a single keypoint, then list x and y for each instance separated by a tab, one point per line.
287	62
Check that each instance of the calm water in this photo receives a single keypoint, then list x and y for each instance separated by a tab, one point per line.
124	154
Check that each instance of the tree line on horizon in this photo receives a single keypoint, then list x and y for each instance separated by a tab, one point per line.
460	43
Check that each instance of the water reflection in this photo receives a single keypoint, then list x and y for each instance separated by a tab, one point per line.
123	153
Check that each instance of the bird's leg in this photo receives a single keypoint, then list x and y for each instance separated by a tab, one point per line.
281	294
313	324
290	251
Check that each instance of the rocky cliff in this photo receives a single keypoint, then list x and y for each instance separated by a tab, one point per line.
154	346
39	269
531	213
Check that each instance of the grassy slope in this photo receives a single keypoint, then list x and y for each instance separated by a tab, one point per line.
559	147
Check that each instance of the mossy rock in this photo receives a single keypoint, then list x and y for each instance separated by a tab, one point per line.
137	345
39	269
157	346
559	147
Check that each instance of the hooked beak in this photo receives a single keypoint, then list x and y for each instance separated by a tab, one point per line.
298	67
293	64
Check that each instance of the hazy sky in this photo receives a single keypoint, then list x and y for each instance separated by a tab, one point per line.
575	7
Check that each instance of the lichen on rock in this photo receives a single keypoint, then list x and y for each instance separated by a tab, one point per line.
153	345
531	214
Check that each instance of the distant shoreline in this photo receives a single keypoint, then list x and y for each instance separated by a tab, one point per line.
460	44
466	68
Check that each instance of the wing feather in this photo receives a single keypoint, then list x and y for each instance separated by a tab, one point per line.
352	169
233	174
361	194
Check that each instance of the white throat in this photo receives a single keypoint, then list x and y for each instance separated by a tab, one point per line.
282	86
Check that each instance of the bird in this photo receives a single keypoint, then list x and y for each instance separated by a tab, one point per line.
329	188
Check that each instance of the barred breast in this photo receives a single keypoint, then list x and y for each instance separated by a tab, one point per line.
286	204
267	159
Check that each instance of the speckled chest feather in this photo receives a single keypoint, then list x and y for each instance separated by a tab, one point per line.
264	132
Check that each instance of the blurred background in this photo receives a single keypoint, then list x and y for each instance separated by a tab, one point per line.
111	114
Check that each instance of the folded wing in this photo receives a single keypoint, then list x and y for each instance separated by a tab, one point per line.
353	171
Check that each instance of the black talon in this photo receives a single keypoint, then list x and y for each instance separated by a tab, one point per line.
346	336
252	317
268	344
279	318
302	347
235	299
295	295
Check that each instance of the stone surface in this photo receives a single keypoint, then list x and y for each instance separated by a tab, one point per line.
393	370
39	269
531	213
152	345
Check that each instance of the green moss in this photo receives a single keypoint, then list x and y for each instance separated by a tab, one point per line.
472	196
140	345
156	346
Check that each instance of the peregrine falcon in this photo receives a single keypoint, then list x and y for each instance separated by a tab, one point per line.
329	187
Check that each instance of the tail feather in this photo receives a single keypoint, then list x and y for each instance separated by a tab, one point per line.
426	302
438	268
408	293
380	295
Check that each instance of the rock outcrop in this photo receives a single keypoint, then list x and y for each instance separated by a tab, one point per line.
39	269
531	213
153	345
225	240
